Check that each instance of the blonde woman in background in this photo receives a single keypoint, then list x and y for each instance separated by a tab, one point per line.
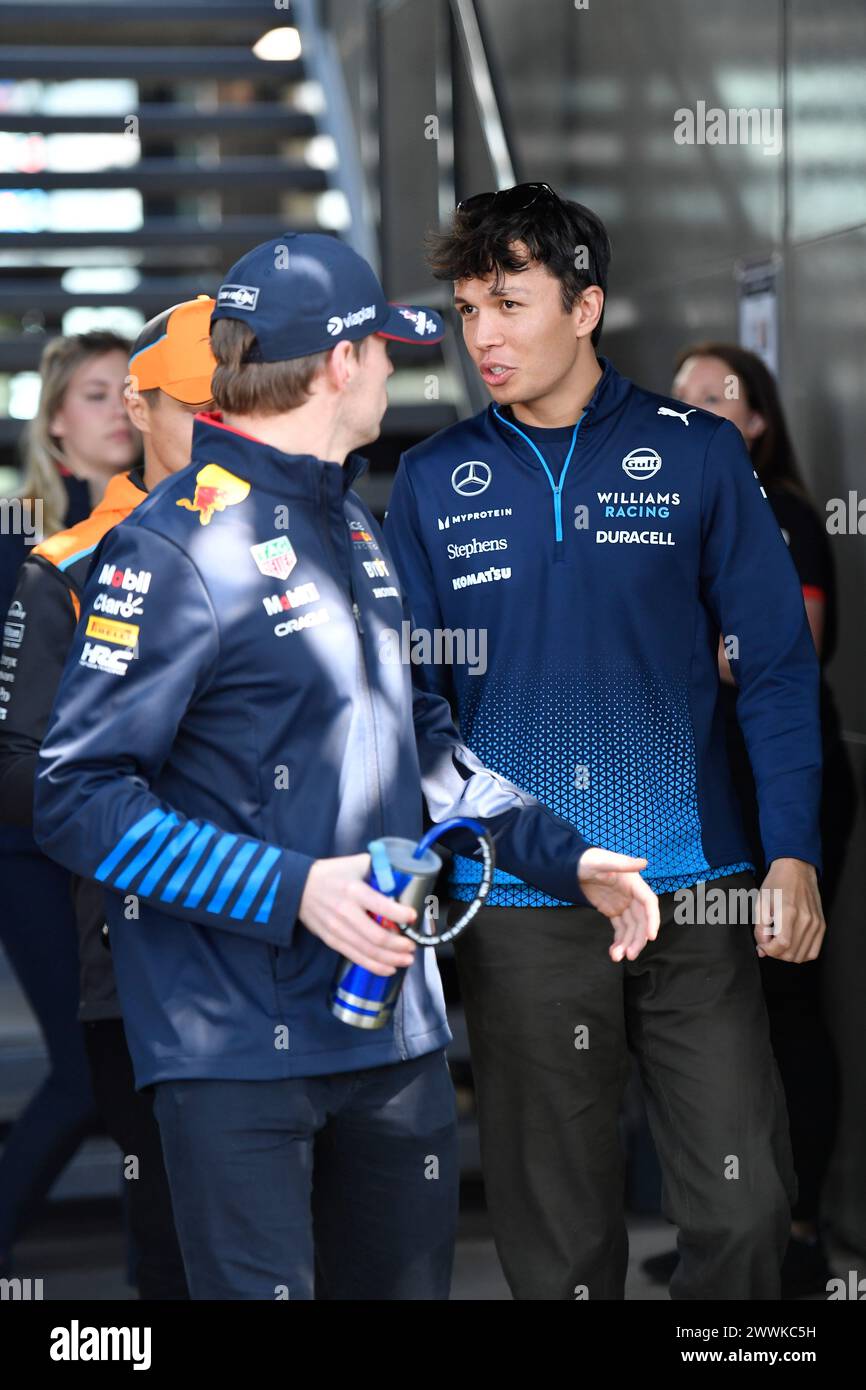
78	440
81	429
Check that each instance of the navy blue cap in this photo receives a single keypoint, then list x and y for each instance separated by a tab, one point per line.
303	292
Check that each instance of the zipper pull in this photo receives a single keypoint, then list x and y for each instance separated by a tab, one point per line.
357	612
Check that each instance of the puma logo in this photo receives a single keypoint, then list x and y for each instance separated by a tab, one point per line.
680	414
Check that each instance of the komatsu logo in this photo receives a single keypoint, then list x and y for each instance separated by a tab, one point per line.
641	463
351	320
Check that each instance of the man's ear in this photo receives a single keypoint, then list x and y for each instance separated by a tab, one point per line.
587	310
342	364
137	410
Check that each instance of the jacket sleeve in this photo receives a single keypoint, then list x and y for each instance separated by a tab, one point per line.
122	698
36	640
751	587
403	534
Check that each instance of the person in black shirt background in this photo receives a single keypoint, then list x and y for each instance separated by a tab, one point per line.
735	383
79	438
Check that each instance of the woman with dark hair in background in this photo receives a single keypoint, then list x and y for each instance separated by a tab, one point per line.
734	383
78	440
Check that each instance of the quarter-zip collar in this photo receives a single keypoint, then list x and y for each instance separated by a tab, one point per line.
268	468
608	398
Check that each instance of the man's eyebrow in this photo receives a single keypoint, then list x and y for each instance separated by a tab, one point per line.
504	292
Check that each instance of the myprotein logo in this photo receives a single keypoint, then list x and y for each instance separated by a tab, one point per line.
641	464
446	522
353	319
239	296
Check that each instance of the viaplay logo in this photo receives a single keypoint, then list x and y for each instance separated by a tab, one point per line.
641	464
336	324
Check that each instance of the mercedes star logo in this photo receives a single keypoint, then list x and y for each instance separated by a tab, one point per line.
471	478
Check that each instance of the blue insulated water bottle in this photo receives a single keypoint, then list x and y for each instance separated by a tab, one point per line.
402	870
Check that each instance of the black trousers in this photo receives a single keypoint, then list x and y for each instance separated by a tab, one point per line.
128	1116
552	1021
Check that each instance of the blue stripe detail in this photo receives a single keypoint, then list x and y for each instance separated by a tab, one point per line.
557	487
124	845
217	855
185	868
79	555
231	876
147	851
171	851
254	883
264	912
148	346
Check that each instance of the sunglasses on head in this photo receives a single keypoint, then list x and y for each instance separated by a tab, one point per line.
506	200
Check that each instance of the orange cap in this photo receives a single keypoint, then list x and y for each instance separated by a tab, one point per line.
176	354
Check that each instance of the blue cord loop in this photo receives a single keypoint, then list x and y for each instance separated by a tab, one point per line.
488	863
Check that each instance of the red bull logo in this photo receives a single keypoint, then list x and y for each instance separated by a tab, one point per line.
215	489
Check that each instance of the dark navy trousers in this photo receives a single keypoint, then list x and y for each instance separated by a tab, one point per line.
326	1187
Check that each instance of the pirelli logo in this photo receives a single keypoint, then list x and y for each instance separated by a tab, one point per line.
107	630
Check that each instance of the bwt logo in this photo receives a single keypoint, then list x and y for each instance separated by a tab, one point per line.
239	296
351	320
641	464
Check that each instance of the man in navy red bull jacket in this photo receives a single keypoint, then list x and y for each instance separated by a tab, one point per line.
219	763
604	537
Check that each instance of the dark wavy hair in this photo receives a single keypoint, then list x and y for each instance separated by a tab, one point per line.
552	230
772	453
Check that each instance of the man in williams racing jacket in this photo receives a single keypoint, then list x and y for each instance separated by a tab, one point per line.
603	537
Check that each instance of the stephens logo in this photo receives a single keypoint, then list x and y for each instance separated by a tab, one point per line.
641	464
351	320
239	296
215	489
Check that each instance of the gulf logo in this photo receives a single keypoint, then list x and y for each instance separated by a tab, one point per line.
641	464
